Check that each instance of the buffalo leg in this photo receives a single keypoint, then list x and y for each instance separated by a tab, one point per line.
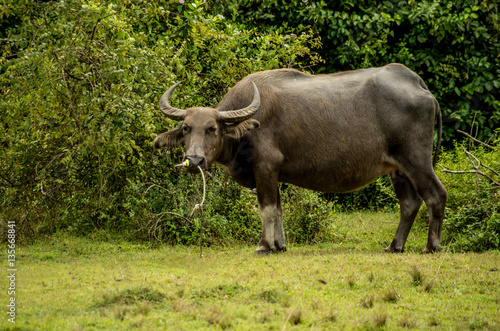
434	195
273	237
270	211
279	233
430	189
409	204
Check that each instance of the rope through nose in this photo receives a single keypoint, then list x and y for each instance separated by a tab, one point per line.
200	207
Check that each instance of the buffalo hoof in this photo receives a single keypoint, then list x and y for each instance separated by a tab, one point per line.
394	250
263	250
433	250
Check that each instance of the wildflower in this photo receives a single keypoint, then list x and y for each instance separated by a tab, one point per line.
181	1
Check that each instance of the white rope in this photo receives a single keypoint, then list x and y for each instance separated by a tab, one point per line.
200	205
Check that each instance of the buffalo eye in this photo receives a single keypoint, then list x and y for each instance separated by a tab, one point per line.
212	130
186	129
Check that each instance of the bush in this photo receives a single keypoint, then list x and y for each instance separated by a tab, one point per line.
80	84
379	195
474	227
473	208
307	217
229	213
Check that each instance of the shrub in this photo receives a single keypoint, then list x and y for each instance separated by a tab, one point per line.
379	195
308	217
473	208
474	227
80	84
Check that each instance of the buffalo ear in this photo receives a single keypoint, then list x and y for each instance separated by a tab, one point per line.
239	130
172	138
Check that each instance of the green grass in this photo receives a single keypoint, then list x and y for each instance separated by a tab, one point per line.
67	283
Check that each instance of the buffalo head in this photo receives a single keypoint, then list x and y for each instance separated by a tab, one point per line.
203	129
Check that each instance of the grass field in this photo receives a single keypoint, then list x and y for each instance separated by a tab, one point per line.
68	283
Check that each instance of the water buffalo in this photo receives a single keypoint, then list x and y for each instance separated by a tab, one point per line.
329	133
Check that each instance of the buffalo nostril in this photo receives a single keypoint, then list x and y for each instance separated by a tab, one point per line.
194	161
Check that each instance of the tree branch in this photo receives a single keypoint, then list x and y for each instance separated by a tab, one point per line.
479	162
476	140
95	26
491	180
156	185
154	224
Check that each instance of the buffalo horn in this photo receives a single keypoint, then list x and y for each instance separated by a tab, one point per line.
242	114
171	112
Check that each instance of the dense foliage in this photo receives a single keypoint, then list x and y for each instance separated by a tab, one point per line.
471	174
80	82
